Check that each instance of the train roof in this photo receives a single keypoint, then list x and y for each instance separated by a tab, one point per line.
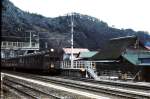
34	54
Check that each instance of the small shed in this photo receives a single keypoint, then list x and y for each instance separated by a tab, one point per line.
87	55
67	52
141	59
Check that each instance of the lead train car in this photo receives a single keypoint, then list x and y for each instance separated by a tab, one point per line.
45	61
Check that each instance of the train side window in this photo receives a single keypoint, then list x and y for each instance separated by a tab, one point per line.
20	61
35	60
23	60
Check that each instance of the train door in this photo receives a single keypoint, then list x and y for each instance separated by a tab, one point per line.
46	62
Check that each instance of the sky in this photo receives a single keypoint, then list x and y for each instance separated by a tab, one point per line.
122	14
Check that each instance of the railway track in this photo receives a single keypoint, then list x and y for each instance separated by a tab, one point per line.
108	88
130	85
31	90
97	87
28	91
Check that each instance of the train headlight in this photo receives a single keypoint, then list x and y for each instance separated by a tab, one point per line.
82	69
52	65
52	50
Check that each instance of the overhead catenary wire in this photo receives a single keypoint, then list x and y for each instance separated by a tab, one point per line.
28	37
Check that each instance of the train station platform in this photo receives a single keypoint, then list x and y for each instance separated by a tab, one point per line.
50	85
88	92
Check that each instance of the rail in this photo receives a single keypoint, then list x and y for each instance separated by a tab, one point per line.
112	89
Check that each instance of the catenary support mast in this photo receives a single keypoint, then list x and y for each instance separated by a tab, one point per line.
72	24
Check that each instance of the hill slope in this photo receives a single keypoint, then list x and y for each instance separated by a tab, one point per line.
89	32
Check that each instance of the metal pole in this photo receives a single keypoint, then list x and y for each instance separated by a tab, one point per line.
138	48
38	40
45	45
30	39
2	94
72	40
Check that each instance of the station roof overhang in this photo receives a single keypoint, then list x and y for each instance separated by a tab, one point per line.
144	64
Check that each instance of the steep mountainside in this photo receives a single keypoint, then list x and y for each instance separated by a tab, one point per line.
89	32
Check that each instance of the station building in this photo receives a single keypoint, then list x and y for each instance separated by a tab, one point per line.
123	59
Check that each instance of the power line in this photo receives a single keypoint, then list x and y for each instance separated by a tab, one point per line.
14	37
29	37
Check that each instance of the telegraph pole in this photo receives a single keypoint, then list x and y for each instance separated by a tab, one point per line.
30	37
30	40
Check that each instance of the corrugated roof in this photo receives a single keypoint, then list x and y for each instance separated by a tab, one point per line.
75	50
87	54
136	56
132	58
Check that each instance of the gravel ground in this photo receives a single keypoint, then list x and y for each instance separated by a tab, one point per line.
6	94
52	91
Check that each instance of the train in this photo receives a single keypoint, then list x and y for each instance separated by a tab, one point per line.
44	61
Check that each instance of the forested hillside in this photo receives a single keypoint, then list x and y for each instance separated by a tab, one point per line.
89	32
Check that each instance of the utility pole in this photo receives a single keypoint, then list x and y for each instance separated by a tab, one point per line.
30	37
46	45
72	39
30	40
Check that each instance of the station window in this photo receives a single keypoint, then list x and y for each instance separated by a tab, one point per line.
4	44
33	44
14	44
19	44
145	60
9	43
